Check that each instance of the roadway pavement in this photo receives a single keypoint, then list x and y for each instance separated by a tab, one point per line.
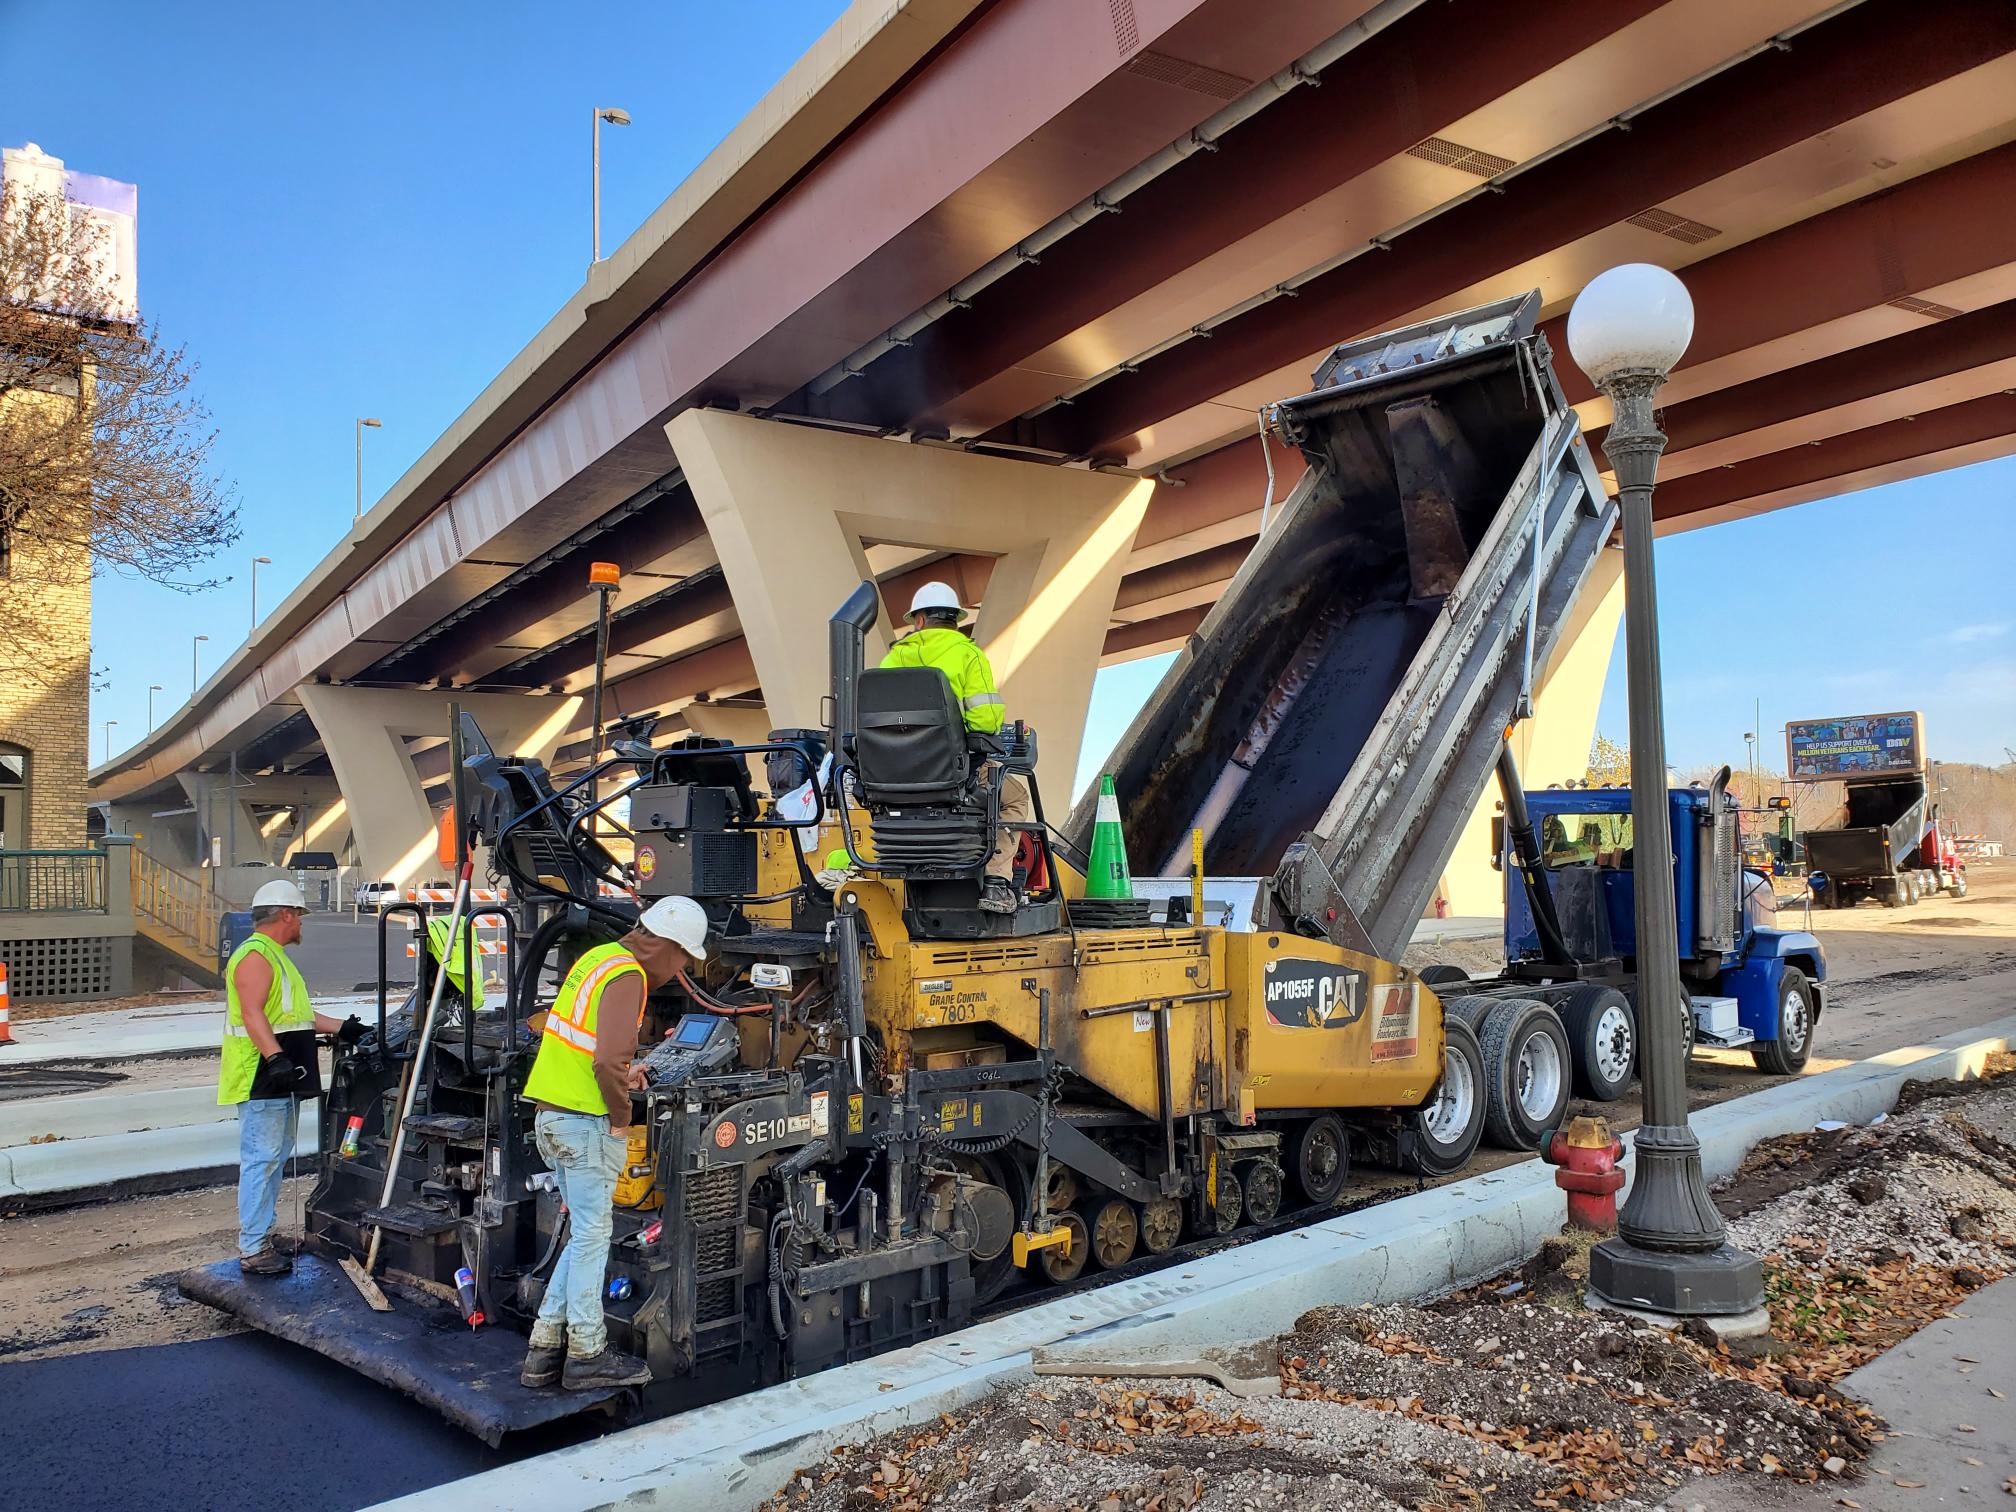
328	1438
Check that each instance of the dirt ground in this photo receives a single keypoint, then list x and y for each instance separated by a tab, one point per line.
1513	1394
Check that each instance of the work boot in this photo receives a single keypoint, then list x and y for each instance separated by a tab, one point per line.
600	1372
542	1365
265	1261
997	896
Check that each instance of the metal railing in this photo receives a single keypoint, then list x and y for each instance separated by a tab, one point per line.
52	881
172	904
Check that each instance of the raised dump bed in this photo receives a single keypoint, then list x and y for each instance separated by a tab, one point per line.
1387	626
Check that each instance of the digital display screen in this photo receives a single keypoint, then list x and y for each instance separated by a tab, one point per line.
692	1031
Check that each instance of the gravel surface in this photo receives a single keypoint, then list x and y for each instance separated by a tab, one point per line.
1513	1394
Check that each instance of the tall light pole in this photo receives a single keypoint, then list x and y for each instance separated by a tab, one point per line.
1672	1253
195	677
152	689
257	563
615	117
110	724
361	424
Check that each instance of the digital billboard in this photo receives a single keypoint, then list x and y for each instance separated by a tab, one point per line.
1855	745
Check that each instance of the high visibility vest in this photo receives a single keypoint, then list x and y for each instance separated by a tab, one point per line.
563	1073
439	946
965	666
287	1007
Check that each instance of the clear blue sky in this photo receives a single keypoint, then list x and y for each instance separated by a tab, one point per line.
369	209
359	209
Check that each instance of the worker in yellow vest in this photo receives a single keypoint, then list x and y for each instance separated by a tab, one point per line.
937	638
581	1082
269	1063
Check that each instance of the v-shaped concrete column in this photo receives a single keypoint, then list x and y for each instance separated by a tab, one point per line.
792	510
365	731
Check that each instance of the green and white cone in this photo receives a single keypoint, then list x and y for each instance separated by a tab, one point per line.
1107	875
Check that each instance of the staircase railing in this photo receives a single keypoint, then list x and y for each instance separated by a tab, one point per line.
183	912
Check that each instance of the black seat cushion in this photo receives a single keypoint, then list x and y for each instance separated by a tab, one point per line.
910	738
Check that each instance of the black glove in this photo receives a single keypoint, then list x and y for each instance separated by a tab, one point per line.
283	1069
350	1030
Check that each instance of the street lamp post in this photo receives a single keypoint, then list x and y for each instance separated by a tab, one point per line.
615	117
152	689
195	676
110	724
361	424
257	563
1671	1254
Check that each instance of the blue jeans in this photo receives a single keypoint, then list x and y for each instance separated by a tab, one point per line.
265	1136
587	1161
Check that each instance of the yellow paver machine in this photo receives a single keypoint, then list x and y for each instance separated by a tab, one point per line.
882	1108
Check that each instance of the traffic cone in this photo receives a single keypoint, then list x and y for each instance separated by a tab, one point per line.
1107	875
6	1034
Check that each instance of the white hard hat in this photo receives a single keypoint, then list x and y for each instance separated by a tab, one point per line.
937	596
680	920
279	894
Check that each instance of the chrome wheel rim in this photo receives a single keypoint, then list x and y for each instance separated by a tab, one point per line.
1792	1027
1455	1102
1539	1076
1615	1043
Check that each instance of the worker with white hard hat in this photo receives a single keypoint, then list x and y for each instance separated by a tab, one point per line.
581	1082
269	1062
937	638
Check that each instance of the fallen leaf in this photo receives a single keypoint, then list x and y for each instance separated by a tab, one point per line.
1963	1427
1909	1485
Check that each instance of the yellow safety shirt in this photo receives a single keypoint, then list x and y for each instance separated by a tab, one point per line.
287	1007
965	666
563	1073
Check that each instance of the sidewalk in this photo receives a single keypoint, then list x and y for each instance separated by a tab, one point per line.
1952	1439
162	1029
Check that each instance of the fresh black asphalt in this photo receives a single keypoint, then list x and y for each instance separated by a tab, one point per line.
240	1421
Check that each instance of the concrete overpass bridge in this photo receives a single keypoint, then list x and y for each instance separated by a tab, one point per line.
993	290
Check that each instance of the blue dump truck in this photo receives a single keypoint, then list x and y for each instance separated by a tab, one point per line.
1571	932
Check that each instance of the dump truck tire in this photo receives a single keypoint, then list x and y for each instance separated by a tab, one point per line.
1470	1008
1442	1134
1788	1053
1603	1038
1442	974
1527	1070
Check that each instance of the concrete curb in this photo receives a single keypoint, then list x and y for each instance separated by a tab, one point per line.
734	1453
153	1160
95	1114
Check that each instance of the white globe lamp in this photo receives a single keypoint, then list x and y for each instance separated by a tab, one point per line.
1635	318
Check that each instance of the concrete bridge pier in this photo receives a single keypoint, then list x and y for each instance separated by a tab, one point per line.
796	513
365	731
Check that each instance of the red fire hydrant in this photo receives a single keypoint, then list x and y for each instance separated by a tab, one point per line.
1587	1157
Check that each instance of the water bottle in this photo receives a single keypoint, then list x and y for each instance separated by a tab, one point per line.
619	1288
465	1292
353	1135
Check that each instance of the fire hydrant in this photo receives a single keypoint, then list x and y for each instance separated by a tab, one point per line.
1587	1156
